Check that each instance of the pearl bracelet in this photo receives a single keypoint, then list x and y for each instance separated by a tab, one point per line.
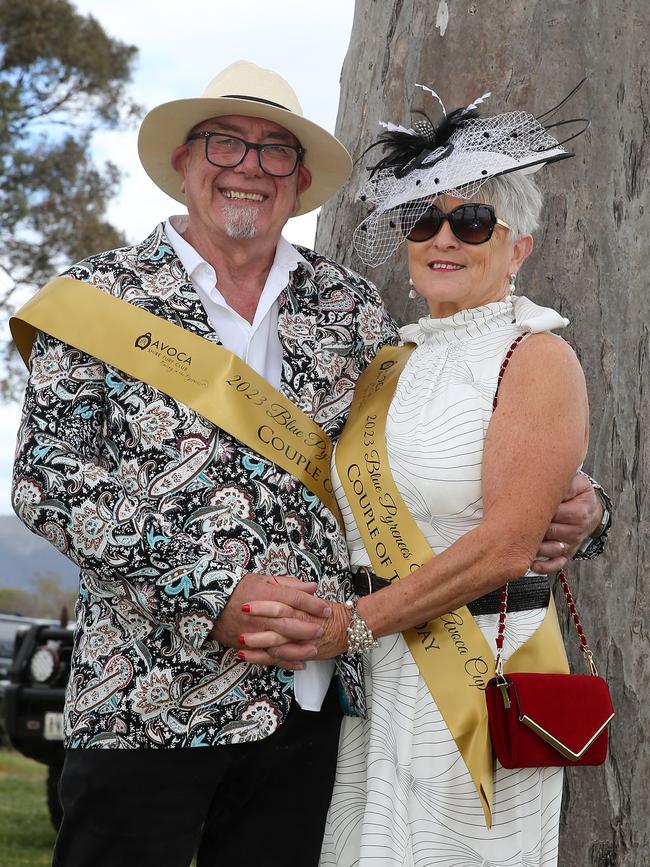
360	637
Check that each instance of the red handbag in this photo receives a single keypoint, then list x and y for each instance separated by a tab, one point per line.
548	720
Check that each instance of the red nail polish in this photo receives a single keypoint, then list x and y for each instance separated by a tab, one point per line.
245	608
241	655
242	639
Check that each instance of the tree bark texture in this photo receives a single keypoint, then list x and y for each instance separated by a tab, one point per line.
590	263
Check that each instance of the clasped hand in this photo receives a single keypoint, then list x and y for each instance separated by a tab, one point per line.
278	620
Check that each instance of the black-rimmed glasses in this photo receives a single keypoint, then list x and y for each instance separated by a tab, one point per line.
471	223
228	151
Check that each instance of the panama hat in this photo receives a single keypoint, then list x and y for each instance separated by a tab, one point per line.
243	89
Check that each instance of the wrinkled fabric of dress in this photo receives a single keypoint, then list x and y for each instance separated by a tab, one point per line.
403	796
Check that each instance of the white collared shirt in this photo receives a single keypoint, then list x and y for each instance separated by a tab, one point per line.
258	344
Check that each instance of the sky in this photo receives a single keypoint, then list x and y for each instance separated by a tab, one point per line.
182	45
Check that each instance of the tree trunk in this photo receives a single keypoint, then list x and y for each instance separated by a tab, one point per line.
590	263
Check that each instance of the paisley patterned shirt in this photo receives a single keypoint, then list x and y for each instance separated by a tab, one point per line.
163	512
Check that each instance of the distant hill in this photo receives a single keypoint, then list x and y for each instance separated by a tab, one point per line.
24	555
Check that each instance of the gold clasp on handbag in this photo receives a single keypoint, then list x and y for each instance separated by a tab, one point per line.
589	659
505	695
502	682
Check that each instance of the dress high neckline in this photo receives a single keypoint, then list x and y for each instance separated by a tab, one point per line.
478	321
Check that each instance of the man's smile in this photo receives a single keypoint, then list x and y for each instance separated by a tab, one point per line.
243	194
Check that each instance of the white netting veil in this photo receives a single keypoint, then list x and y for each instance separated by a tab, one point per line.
477	149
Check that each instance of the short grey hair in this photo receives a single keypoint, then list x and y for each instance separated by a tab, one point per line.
516	199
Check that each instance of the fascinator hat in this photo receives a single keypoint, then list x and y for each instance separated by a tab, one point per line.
454	158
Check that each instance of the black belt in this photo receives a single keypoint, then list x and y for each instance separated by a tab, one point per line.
524	594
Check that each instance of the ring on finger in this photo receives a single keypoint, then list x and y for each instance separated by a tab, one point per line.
562	547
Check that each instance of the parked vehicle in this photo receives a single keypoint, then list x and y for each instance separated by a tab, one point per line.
33	700
10	626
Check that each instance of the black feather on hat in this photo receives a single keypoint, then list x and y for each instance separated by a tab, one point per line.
409	149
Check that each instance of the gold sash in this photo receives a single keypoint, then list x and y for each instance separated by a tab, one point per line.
203	376
451	652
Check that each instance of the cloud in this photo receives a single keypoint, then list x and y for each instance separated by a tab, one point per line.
8	426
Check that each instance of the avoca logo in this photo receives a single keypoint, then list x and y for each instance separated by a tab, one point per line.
143	341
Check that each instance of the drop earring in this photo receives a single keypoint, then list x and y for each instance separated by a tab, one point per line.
512	289
412	293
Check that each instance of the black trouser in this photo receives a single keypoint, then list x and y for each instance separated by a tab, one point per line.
260	803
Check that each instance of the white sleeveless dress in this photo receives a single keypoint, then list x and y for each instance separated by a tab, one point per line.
403	796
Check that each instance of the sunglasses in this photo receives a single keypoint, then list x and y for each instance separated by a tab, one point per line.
470	223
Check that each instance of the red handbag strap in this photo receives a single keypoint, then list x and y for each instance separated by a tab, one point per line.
506	361
584	647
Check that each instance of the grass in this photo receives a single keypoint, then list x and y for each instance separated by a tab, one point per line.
26	835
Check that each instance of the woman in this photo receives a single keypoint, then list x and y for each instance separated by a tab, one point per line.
481	476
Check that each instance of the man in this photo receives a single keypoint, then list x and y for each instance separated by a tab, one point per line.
172	739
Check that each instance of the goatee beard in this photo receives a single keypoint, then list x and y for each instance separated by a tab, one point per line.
240	221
